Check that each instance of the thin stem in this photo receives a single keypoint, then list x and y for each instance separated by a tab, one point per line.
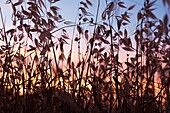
92	43
3	27
73	25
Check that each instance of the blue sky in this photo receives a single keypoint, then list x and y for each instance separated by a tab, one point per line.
69	8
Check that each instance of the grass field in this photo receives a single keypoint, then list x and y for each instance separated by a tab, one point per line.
100	68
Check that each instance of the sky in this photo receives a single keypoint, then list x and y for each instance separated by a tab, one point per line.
69	10
69	7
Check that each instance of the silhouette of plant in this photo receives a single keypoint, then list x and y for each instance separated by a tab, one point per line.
39	73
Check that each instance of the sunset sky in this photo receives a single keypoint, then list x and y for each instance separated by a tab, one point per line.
69	11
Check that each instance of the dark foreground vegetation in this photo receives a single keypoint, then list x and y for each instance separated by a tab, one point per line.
46	70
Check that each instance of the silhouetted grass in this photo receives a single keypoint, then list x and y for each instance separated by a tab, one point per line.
38	77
